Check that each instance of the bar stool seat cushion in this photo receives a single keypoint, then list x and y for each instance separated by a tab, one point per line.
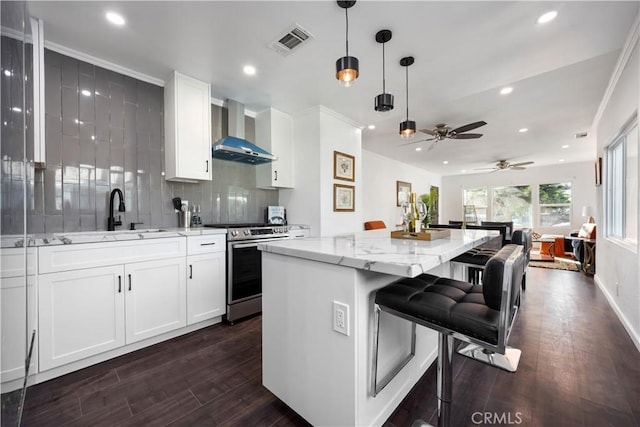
453	304
478	256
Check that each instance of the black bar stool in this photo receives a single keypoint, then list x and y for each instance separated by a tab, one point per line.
479	315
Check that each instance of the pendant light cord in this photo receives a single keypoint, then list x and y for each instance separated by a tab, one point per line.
384	90
346	36
407	84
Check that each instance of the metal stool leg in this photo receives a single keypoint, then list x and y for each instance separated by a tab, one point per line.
445	374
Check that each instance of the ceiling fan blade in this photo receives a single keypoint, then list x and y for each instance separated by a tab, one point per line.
415	142
517	168
521	164
466	136
469	127
433	144
428	132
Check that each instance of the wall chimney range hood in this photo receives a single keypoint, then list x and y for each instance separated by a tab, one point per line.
234	147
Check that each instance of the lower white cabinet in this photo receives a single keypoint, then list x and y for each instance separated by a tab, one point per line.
90	311
15	335
81	314
155	298
206	265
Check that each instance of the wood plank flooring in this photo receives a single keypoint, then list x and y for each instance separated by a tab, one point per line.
578	368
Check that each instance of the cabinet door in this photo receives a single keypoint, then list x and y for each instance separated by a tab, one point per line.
187	129
274	133
205	287
81	314
14	342
155	298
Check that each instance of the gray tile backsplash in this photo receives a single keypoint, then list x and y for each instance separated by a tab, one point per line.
105	130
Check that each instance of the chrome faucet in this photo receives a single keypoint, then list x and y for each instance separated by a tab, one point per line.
111	222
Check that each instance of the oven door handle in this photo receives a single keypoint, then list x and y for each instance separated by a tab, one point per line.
254	243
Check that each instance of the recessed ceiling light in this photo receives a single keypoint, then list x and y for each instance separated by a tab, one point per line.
547	17
463	171
371	127
523	130
419	149
86	92
561	160
249	70
115	18
506	90
446	162
565	146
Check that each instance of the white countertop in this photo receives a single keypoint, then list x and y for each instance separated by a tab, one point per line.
17	241
375	250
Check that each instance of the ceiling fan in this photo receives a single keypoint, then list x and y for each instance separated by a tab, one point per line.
442	131
503	165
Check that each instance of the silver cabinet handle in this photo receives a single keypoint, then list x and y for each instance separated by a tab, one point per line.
275	173
207	244
190	271
129	282
207	170
119	284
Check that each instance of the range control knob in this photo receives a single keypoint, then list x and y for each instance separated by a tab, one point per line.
247	232
234	233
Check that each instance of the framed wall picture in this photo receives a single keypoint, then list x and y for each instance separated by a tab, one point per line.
403	191
344	198
599	172
344	166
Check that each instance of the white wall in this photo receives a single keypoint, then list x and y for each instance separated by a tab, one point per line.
317	133
379	178
583	190
618	267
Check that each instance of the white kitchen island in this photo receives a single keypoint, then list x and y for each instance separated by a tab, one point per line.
325	375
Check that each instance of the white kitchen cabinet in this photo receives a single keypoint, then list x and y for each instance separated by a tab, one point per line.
81	314
96	297
14	334
155	298
187	123
206	268
274	133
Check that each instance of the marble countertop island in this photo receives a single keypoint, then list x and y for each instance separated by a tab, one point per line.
317	321
376	251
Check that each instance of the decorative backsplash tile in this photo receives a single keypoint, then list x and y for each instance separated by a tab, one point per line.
103	131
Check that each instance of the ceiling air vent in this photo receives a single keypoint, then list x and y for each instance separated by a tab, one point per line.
580	135
292	39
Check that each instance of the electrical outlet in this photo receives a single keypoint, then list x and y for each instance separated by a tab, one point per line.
341	318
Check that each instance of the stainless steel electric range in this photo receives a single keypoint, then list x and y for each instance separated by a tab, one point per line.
244	266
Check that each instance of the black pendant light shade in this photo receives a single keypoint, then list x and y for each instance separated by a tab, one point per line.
408	127
384	101
347	67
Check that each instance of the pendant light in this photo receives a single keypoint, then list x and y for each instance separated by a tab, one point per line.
347	70
408	127
384	101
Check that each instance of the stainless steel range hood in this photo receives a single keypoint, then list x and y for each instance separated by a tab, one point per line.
234	147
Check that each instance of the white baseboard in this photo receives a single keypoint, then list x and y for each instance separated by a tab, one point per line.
634	335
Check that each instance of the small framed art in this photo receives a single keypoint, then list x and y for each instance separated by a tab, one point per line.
344	198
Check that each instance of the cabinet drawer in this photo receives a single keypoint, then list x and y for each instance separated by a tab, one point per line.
206	244
12	262
88	255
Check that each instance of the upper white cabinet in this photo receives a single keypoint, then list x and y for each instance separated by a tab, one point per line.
274	133
187	129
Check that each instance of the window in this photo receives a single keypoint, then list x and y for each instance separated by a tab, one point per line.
621	195
555	204
512	204
478	198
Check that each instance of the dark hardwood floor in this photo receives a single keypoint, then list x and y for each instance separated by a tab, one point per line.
578	368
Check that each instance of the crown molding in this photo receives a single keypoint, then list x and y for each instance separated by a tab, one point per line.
630	44
102	63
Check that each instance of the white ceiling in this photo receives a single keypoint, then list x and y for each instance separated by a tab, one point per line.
464	53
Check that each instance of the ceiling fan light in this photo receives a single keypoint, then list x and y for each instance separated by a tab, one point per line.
407	129
384	102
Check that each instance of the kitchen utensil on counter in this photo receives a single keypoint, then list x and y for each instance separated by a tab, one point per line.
177	203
